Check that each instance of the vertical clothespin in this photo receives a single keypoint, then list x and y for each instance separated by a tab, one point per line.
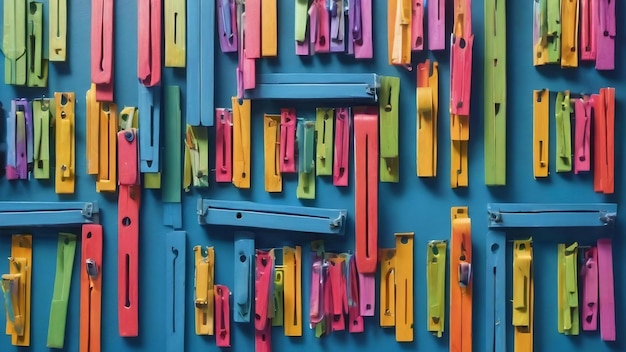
417	25
301	33
149	42
204	259
175	19
540	32
342	146
604	141
389	115
222	316
605	35
361	28
66	248
43	111
172	161
93	131
324	144
200	65
437	25
337	25
339	297
16	286
523	295
246	68
90	287
461	281
196	157
278	300
319	268
244	255
563	132
387	287
588	28
175	244
287	140
252	29
589	277
292	268
37	65
582	135
305	135
404	287
264	277
554	31
223	145
541	132
102	48
241	144
269	31
19	140
462	40
227	26
150	121
128	233
271	152
399	32
568	318
569	25
355	320
319	24
14	42
427	98
57	14
65	142
435	279
107	140
607	289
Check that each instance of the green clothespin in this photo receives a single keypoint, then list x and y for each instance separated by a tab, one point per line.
563	112
302	14
42	112
554	31
305	134
37	65
14	42
324	130
58	30
389	108
436	281
278	299
495	93
568	318
62	282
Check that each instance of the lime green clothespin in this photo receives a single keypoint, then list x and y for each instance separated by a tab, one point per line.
278	299
568	318
196	157
37	65
554	31
563	113
305	134
389	108
43	110
302	14
62	282
324	130
14	42
436	281
57	30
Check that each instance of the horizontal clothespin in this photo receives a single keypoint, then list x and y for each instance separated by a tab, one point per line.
569	215
200	65
541	132
227	26
149	42
241	143
223	145
605	35
427	98
204	258
342	146
437	25
91	287
604	141
102	48
47	214
222	315
324	142
582	134
43	115
14	44
305	136
65	142
19	136
66	249
288	140
16	286
174	18
271	153
389	110
563	132
57	43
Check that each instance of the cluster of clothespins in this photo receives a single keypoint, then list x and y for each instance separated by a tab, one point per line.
556	30
594	135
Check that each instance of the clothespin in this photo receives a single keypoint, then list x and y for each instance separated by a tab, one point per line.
128	118
461	280
607	289
269	28
319	271
264	278
250	47
241	144
66	249
57	14
222	316
227	25
324	144
90	287
563	132
305	135
271	152
19	140
65	142
150	137
301	33
128	231
102	48
93	131
16	286
569	25
223	145
102	128
568	318
389	115
14	42
554	31
252	29
200	65
589	277
287	140
435	279
172	161
337	25
37	65
582	142
342	146
541	132
604	141
43	112
523	295
339	296
204	258
417	25
540	32
244	255
292	269
588	29
319	25
360	20
175	19
387	287
399	32
149	41
605	35
404	286
437	25
278	300
355	320
175	245
427	98
196	157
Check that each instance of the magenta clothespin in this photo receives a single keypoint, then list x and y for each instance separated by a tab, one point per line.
355	321
437	25
606	304
417	26
589	274
367	294
337	26
588	29
227	25
316	299
287	140
582	143
319	23
362	29
342	147
605	35
223	145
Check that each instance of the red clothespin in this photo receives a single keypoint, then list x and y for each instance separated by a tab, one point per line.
604	141
354	309
102	48
342	147
223	145
461	60
149	42
338	293
582	145
588	29
589	274
222	315
264	278
287	140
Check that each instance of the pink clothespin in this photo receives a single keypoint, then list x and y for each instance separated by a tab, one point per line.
582	153
223	145
354	310
287	140
417	25
605	35
588	29
263	279
316	299
252	29
607	289
437	25
320	26
361	29
222	316
339	297
461	66
342	147
367	294
589	274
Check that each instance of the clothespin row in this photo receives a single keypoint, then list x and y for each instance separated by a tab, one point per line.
461	281
101	144
523	295
335	26
102	57
602	107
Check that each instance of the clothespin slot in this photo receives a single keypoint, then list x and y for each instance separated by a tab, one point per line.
222	316
540	32
175	244
65	142
172	161
200	65
569	26
57	14
523	295
244	255
568	316
399	32
90	287
389	115
436	25
223	145
175	18
102	48
16	286
563	132
227	26
271	152
149	41
590	288
342	146
541	132
582	135
269	31
196	157
305	136
14	42
605	35
604	141
241	144
66	249
287	140
387	287
278	299
461	272
204	258
588	29
292	268
435	279
427	98
43	111
607	290
150	121
324	144
417	25
37	65
19	140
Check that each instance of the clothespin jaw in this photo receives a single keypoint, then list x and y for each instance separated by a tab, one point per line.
582	135
271	152
196	164
16	287
387	287
174	17
14	45
90	287
540	32
241	144
399	32
404	286
223	145
435	278
604	141
324	143
563	132
288	123
427	98
65	142
43	111
66	249
342	146
227	26
305	136
389	115
568	317
589	276
569	26
244	255
541	132
204	258
37	65
523	292
222	315
292	269
57	44
461	285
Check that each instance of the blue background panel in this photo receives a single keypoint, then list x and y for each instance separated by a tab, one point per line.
419	205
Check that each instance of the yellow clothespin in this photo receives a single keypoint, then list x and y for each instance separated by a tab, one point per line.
541	132
43	111
568	317
399	13
458	169
204	302
427	98
523	295
16	287
278	301
65	142
436	282
196	168
93	131
387	287
58	30
241	143
175	18
388	115
324	129
292	268
569	33
107	171
404	286
269	32
273	178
